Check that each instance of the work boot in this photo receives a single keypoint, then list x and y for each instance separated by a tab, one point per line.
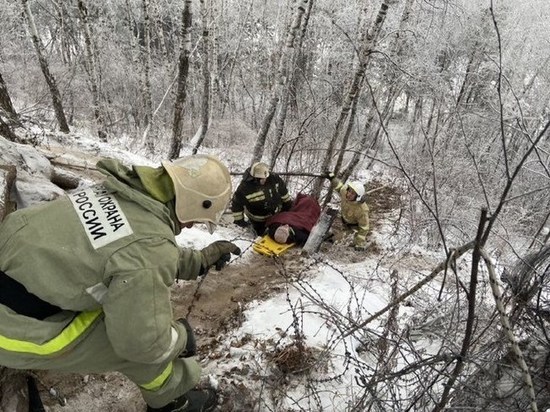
196	400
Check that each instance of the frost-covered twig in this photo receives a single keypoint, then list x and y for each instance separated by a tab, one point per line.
497	294
471	295
456	253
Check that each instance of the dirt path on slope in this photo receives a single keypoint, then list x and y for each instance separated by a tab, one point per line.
216	304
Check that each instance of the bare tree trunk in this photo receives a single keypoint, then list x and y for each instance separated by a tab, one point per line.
146	60
91	65
353	111
8	112
48	76
355	88
472	61
347	134
418	114
183	74
285	98
394	83
66	36
540	69
5	130
371	134
254	106
8	174
6	106
205	108
133	28
215	95
159	29
471	320
512	380
281	79
364	144
233	60
279	128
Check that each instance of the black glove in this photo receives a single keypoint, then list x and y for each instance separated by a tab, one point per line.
191	345
329	175
217	253
242	223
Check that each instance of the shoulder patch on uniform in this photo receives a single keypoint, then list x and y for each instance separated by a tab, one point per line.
101	216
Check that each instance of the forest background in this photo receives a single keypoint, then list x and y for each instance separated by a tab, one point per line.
448	100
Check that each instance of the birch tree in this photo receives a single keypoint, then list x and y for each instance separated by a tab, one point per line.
6	106
281	80
6	131
91	64
216	11
183	74
352	96
286	91
146	62
159	29
206	92
232	59
391	90
7	112
44	66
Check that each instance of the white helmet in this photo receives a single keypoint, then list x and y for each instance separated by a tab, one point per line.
203	188
259	170
358	188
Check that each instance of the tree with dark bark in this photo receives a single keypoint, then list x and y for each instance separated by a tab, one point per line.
206	106
146	64
281	80
6	105
183	74
349	104
91	64
44	66
8	115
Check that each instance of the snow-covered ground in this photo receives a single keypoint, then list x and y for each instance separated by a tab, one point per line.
329	293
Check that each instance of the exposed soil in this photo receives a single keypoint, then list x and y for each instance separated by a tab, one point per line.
213	307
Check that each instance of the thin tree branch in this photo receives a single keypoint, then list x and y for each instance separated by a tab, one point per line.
459	366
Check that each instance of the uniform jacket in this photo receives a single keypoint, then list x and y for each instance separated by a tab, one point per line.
108	251
301	217
258	201
353	213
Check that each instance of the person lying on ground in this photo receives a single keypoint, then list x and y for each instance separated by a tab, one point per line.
294	225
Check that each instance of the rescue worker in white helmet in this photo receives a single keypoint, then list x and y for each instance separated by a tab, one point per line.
260	194
85	279
353	208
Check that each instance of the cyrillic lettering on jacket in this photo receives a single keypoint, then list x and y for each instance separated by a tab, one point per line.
101	216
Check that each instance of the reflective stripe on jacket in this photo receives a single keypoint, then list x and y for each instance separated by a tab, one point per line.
70	334
108	249
258	201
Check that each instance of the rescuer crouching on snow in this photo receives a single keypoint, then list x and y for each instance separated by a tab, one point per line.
353	208
85	279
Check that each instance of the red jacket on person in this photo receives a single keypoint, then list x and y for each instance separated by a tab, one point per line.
301	217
